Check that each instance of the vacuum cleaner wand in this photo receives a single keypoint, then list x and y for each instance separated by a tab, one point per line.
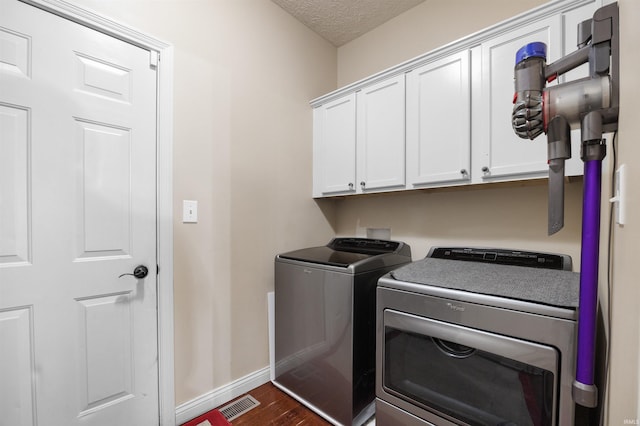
590	104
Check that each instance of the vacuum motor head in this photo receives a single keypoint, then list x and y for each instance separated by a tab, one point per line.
527	118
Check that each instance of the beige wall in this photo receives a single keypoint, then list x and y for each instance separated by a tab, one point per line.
244	74
489	216
425	27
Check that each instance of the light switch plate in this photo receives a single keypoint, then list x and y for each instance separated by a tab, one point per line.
189	211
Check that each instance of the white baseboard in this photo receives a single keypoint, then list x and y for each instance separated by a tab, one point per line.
221	395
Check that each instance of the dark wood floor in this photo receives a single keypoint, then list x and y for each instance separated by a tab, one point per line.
277	408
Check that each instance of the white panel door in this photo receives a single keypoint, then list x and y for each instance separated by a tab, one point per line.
78	343
505	155
380	136
439	122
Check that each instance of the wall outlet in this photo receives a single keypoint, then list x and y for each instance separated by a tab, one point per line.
189	211
379	233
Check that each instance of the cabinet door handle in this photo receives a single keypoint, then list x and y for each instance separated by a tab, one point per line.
485	169
350	185
463	171
362	184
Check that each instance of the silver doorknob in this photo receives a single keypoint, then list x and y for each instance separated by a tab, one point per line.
139	272
485	169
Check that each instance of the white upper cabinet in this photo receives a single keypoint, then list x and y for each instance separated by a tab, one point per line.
439	122
358	141
498	153
381	136
443	118
334	147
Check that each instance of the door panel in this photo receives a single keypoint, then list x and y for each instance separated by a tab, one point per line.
104	327
381	135
438	121
77	210
17	402
505	154
14	185
102	78
104	191
335	146
14	54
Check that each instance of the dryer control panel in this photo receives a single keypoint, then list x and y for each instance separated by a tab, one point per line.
504	257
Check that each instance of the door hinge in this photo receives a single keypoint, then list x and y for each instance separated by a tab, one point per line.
154	58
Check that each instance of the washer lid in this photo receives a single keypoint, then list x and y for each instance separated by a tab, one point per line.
346	252
326	256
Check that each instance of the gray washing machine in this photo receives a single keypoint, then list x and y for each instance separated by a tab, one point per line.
325	300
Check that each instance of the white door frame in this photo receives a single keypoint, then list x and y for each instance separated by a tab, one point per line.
164	143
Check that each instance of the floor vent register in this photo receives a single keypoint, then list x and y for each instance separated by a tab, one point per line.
239	407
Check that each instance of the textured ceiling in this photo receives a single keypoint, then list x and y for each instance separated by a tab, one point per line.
340	21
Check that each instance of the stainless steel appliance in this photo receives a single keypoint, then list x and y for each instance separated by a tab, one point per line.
477	337
325	324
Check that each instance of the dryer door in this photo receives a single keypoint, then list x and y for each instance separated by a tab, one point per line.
467	375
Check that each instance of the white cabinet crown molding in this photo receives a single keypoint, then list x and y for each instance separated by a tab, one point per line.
467	42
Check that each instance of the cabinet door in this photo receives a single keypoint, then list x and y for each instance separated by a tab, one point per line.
438	122
334	147
503	155
380	135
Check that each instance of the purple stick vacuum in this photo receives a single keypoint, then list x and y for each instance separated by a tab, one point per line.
589	258
590	104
